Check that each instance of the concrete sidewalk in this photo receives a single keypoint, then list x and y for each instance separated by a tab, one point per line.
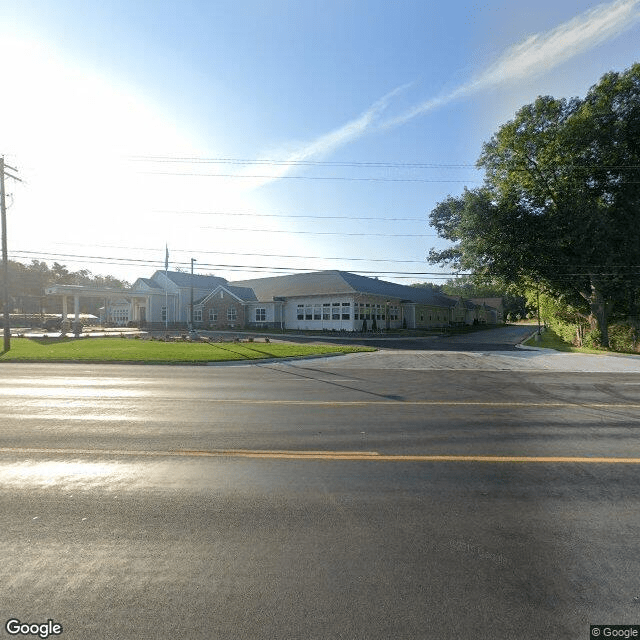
522	359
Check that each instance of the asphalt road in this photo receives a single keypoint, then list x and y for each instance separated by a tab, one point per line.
330	498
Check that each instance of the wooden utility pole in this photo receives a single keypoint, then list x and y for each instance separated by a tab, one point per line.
5	257
191	305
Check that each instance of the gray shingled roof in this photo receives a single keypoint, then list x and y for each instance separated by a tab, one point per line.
339	282
148	281
246	294
298	284
393	290
181	279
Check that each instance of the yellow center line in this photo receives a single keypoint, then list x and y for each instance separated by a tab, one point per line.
327	455
425	403
47	398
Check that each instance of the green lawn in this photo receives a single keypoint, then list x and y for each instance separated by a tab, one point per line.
130	350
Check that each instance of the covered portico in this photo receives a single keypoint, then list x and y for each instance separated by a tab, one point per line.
138	302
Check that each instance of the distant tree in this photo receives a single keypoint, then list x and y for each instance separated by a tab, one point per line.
27	284
437	288
513	300
561	201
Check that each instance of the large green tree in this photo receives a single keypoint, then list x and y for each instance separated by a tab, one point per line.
560	205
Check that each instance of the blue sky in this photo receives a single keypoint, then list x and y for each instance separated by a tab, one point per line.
270	137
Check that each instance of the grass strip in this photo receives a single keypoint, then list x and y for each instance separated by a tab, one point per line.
129	350
551	340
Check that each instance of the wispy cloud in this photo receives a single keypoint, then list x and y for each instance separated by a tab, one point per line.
541	52
536	55
324	145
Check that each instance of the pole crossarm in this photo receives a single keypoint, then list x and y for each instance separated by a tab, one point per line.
5	257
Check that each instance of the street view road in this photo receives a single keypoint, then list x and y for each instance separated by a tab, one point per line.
399	494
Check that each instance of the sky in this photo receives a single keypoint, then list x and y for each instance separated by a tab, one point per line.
269	137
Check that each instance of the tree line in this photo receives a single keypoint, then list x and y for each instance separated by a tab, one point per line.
558	215
515	306
27	284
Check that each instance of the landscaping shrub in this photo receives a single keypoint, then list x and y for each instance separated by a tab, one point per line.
623	337
593	339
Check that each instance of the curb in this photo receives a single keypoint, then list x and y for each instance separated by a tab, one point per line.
186	363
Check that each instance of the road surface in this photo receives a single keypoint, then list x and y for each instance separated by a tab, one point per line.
389	495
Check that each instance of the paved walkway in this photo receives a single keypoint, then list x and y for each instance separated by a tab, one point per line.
519	360
492	350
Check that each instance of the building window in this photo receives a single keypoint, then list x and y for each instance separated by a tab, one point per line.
232	314
300	312
308	313
213	315
346	311
335	311
163	314
261	315
197	315
326	311
317	312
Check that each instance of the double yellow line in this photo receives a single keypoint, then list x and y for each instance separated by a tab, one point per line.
373	456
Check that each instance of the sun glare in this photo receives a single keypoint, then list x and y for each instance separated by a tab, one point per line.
74	135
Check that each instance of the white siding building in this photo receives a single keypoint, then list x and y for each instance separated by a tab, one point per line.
322	300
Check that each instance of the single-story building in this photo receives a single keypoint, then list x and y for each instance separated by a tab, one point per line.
321	300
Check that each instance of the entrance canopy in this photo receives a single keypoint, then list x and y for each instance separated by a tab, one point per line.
79	291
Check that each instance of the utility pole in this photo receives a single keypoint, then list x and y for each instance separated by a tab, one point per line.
191	311
538	311
5	257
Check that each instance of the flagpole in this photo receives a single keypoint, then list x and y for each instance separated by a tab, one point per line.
166	290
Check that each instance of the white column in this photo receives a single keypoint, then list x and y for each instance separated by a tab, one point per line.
76	307
64	308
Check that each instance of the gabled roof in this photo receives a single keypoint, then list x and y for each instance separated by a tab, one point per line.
245	294
496	303
337	283
148	282
198	281
392	290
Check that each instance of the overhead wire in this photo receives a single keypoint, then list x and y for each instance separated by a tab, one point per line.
291	162
275	269
285	177
245	253
232	267
325	233
338	163
283	215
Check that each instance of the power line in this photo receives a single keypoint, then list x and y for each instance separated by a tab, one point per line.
283	215
326	233
243	253
285	177
140	262
318	163
235	267
586	267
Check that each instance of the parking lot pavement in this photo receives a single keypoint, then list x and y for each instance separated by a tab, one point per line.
523	359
